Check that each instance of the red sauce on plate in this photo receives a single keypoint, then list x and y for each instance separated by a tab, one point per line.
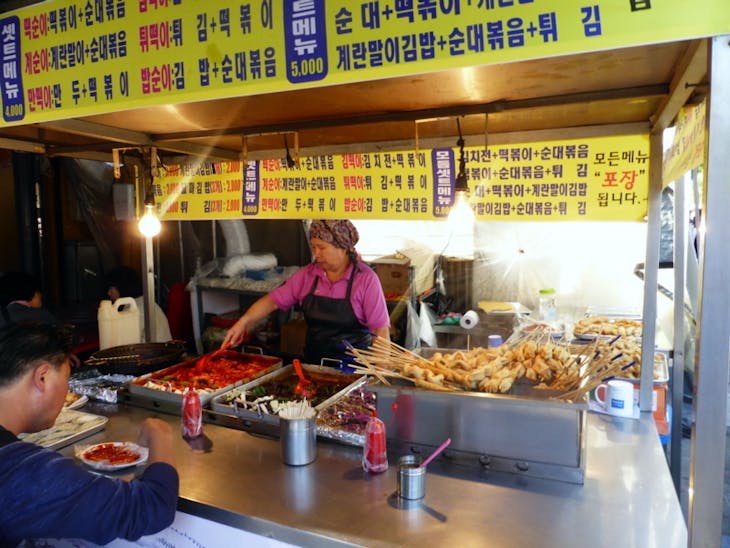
112	454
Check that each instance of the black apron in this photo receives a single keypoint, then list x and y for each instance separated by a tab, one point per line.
329	321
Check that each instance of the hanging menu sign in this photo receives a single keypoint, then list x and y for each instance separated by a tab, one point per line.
71	58
598	179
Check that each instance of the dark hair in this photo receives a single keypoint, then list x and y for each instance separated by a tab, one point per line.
17	286
126	280
25	345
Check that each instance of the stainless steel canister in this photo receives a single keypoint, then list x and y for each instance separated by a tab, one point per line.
298	440
411	478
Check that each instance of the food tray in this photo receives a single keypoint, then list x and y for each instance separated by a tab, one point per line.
661	370
137	386
345	419
222	403
590	327
531	434
70	426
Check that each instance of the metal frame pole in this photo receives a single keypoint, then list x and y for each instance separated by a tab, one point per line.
149	290
651	270
707	463
681	225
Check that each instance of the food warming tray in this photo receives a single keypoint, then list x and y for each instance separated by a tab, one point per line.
220	404
661	370
522	435
525	432
172	401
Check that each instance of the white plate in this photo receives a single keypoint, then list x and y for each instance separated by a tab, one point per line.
82	452
78	403
555	331
591	336
594	336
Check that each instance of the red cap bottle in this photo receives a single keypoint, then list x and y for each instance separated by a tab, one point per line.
374	455
192	414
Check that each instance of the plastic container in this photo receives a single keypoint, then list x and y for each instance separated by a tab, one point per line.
546	305
411	478
118	323
494	341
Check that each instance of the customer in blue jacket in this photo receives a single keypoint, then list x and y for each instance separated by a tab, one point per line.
46	495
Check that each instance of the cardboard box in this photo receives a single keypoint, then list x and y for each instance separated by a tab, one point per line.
394	273
293	336
658	406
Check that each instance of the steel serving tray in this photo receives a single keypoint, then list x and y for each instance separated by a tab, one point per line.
357	399
222	403
661	370
173	400
69	427
525	432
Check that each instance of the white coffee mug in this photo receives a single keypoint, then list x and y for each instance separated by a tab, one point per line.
617	399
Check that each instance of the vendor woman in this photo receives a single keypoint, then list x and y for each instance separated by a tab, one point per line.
340	296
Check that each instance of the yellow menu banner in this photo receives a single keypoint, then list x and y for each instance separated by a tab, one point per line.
595	179
688	144
70	58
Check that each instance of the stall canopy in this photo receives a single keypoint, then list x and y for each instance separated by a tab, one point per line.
508	70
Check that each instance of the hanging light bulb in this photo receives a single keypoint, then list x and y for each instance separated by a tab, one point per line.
149	224
461	212
461	216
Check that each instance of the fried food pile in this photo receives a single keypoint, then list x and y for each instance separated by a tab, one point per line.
601	325
492	370
71	397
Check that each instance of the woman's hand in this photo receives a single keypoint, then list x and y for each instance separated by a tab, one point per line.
237	333
256	312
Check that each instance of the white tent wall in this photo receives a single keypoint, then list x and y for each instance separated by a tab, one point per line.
588	263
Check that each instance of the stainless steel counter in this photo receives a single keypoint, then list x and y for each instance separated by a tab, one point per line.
628	498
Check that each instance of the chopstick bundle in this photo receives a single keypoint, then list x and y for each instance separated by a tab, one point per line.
602	367
300	409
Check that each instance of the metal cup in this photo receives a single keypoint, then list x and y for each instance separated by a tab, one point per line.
298	440
411	478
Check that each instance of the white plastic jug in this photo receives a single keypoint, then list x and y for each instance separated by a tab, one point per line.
118	326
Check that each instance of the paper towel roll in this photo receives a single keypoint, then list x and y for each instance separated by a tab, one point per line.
469	319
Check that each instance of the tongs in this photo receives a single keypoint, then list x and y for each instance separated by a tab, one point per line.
204	360
302	388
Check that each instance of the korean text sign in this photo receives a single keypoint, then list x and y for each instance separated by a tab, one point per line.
71	58
603	178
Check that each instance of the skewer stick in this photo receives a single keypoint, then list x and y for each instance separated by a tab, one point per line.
389	345
370	367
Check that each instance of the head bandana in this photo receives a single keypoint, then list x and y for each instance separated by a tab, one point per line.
339	233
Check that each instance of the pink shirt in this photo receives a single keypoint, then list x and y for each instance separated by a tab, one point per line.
367	300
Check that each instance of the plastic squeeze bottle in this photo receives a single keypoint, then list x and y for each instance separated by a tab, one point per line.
192	414
374	454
